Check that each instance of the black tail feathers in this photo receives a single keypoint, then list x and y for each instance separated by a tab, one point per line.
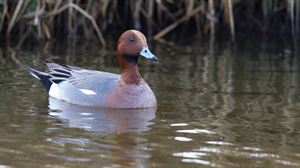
42	76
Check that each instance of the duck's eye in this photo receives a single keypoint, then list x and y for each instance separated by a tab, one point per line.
131	39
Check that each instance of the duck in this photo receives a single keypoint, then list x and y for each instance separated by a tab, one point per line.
93	88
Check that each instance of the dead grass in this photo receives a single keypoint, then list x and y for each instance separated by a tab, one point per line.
90	18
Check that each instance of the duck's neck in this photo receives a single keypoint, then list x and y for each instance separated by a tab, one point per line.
130	73
129	69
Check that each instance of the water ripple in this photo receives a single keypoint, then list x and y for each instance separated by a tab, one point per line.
4	166
183	139
219	143
288	163
196	131
179	124
69	159
198	161
192	155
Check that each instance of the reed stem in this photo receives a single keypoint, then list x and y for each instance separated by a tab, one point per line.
159	17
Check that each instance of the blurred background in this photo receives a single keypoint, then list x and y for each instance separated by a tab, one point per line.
164	20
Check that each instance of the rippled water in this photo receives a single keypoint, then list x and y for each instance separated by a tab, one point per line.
217	107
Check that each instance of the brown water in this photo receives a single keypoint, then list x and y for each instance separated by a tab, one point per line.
217	107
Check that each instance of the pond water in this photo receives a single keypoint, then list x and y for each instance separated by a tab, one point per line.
218	106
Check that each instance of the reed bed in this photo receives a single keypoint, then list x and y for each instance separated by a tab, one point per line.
160	19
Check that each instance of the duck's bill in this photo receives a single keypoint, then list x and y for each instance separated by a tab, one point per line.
147	54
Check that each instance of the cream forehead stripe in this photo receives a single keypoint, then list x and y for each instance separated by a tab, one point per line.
141	37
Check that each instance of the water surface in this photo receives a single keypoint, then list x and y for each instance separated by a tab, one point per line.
218	106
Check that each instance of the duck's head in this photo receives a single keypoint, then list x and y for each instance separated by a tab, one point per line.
131	45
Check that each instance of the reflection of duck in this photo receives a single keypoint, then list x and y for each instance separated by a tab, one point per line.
103	89
102	119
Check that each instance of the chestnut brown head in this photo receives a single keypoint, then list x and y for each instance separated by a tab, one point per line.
131	45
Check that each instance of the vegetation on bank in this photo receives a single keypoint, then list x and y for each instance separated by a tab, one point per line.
160	19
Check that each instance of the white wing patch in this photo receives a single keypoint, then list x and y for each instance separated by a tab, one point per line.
87	92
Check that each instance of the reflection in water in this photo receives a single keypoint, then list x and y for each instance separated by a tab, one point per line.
101	119
118	150
123	149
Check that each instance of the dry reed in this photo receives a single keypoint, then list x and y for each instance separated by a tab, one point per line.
45	19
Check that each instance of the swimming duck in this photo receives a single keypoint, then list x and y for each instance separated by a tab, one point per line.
103	89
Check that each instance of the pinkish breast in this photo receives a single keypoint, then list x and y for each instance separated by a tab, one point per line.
131	96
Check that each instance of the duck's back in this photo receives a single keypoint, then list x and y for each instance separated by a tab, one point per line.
85	87
76	85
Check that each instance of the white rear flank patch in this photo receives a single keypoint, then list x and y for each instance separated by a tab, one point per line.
54	90
87	92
